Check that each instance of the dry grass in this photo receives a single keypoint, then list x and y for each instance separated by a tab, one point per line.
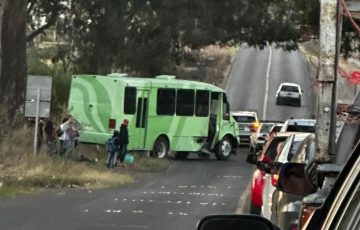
212	65
21	172
348	91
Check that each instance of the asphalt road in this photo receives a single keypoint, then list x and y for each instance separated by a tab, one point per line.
176	199
247	82
189	189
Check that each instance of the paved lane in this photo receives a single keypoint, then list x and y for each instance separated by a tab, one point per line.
176	199
247	82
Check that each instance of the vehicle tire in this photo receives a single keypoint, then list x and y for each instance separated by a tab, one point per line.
181	155
161	148
255	209
223	149
299	103
277	101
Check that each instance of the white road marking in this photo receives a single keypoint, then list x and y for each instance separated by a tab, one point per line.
267	84
170	213
124	199
137	211
151	201
108	211
86	210
116	199
204	203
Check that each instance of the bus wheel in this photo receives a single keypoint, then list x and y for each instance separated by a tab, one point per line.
181	155
161	148
223	149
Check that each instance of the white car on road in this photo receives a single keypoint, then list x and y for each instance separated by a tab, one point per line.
289	93
248	123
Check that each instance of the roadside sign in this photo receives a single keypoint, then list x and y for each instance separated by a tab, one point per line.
35	83
38	98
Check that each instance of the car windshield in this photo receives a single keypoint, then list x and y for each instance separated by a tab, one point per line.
290	88
245	119
265	128
301	128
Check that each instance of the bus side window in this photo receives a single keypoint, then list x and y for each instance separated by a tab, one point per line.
130	100
202	103
165	102
185	102
226	108
214	103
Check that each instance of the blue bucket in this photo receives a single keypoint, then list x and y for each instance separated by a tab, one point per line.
129	158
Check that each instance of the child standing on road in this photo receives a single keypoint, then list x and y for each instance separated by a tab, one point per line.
112	146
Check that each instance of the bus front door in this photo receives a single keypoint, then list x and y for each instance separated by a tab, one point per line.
141	119
215	105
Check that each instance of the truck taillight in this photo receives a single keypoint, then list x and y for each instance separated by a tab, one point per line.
305	214
112	123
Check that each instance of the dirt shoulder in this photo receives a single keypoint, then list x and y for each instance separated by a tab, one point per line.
346	91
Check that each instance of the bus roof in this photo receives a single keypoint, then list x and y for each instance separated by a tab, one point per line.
158	81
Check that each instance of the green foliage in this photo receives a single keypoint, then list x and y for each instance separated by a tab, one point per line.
40	62
150	36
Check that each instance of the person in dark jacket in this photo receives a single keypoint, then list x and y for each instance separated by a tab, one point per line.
123	141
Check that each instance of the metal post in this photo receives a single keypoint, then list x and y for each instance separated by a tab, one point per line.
326	104
36	120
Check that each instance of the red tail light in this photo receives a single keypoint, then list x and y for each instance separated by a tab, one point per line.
274	179
257	187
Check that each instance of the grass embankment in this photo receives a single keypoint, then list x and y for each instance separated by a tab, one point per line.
210	64
348	92
21	172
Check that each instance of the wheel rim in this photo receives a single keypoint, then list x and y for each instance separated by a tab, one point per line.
226	148
161	150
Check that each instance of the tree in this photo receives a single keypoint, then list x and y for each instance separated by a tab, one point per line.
48	11
150	36
12	54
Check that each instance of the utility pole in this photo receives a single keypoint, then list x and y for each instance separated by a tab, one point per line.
330	32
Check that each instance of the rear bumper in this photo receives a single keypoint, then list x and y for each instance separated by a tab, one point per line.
289	100
244	139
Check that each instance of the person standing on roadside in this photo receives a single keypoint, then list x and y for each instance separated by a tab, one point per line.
70	133
123	141
112	146
40	134
61	135
50	138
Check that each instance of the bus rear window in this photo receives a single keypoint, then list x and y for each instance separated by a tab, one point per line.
165	102
130	100
185	102
202	103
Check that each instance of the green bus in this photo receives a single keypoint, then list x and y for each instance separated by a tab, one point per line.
165	114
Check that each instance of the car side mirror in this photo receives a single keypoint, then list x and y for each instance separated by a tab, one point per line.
235	222
252	158
293	179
